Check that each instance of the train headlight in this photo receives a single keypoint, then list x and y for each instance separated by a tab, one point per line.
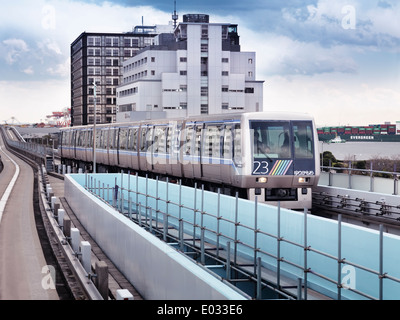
262	179
304	180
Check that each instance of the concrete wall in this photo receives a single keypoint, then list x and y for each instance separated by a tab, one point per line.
153	267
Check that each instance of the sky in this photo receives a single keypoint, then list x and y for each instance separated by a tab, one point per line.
337	60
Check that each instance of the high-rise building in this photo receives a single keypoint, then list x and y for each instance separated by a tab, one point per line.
199	69
97	58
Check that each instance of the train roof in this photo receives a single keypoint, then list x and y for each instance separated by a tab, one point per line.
270	115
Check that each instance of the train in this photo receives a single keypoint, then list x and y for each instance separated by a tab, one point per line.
269	155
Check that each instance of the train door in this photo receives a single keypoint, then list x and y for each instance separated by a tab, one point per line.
89	145
227	155
198	137
122	152
187	150
146	133
133	147
73	143
158	149
110	146
103	146
174	166
211	160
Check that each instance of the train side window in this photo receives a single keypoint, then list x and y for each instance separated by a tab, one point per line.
142	146
64	138
149	139
198	133
237	144
89	139
188	140
133	135
83	138
78	138
110	139
304	146
73	140
159	139
227	143
212	141
123	137
98	139
173	140
104	138
169	139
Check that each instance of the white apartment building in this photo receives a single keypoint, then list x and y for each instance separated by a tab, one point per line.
197	70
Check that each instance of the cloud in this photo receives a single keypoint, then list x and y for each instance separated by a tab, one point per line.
14	49
29	70
49	47
305	55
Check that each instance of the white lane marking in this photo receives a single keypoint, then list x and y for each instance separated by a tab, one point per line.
10	186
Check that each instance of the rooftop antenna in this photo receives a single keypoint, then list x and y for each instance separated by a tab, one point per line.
175	16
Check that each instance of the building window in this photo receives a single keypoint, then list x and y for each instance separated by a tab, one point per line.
153	59
225	88
183	59
250	73
204	109
250	61
153	73
249	90
225	60
225	73
225	106
183	72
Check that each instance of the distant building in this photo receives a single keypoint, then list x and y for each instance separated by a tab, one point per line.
199	69
98	57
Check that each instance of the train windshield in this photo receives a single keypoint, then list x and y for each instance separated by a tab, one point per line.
282	139
271	139
303	139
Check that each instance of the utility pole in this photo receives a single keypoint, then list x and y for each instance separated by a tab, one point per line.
94	129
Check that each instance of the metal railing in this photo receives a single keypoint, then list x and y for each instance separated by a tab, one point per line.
243	258
370	174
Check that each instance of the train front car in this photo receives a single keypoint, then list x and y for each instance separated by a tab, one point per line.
284	156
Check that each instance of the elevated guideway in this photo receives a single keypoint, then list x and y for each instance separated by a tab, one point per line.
361	196
168	239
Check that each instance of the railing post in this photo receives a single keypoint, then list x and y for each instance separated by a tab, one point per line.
255	234
350	169
305	254
371	179
339	275
228	260
381	274
259	279
279	247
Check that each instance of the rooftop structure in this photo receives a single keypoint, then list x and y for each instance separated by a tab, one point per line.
199	69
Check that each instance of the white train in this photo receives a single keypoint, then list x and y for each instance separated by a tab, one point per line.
272	156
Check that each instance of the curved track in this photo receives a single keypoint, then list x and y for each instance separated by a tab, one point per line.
23	267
